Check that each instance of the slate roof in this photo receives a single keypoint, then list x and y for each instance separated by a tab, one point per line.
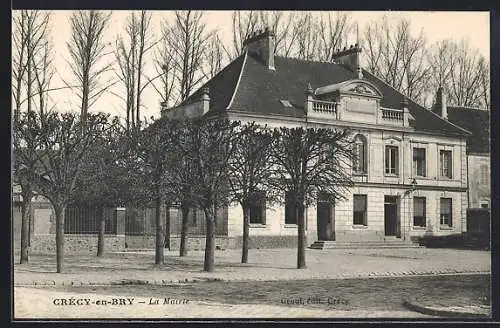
477	121
259	90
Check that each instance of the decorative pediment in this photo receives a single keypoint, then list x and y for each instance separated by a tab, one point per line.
355	87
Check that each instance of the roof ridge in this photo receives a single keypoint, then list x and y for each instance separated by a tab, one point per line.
309	60
414	102
239	79
468	108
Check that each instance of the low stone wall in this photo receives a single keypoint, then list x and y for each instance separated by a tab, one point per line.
46	244
197	242
257	242
140	242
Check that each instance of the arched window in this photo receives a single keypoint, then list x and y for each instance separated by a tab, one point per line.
359	164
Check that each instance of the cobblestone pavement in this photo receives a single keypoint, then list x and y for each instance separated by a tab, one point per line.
265	264
33	303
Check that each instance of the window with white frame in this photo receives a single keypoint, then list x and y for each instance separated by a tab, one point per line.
391	160
445	163
359	210
360	155
445	216
419	215
419	164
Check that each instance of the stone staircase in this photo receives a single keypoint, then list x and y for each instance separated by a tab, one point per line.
389	243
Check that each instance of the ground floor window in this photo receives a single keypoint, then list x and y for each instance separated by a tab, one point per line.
445	212
419	217
290	211
359	210
258	208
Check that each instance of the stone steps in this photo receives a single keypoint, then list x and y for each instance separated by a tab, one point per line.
396	243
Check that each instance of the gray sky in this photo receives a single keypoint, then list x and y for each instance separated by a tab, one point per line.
436	26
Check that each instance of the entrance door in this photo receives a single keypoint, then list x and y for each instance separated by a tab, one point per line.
325	220
391	219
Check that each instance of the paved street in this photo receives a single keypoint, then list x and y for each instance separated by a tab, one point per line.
268	264
274	268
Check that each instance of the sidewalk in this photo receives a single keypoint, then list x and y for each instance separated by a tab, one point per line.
269	264
25	298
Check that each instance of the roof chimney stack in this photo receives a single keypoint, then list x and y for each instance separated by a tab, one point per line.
440	106
349	57
262	44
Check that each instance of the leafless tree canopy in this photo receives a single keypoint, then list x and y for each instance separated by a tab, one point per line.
87	48
397	57
469	77
131	50
187	38
31	58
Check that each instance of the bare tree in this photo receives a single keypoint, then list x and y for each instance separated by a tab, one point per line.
250	170
307	40
130	52
214	57
468	77
87	49
64	139
30	43
187	37
311	162
397	57
208	146
164	65
334	32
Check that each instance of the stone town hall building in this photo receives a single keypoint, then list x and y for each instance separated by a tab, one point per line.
411	176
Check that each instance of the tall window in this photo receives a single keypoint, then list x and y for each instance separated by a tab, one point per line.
290	211
483	171
258	208
359	210
391	160
445	163
419	162
419	217
360	159
445	212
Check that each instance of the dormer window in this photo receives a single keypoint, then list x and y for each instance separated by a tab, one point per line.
285	103
360	155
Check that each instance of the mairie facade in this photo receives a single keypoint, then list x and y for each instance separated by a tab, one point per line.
411	168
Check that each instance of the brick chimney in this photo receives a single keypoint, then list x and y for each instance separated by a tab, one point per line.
261	43
350	57
440	107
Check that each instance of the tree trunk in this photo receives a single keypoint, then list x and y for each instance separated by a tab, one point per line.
246	226
60	214
209	263
184	231
102	231
301	243
167	227
25	231
159	259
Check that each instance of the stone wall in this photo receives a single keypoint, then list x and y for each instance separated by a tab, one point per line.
46	244
221	242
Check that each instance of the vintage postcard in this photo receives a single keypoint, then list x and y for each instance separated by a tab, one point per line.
250	165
